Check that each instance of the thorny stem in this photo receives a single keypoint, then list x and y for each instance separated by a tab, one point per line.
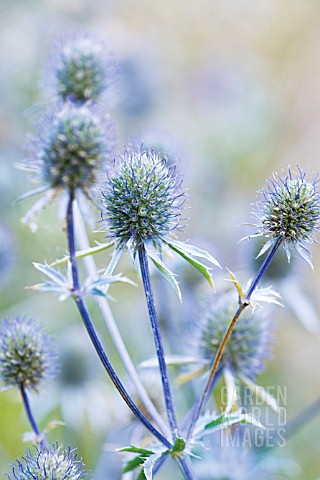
30	416
92	333
112	327
144	267
242	305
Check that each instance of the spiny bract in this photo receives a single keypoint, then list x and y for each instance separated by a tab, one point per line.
80	70
142	200
48	463
27	355
71	146
250	341
289	211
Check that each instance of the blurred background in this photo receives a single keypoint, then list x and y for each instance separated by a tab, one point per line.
232	90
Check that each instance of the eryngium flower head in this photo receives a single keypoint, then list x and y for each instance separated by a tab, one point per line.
250	342
79	69
289	211
27	355
71	146
142	200
48	463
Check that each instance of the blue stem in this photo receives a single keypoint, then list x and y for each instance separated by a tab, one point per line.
262	270
242	305
92	333
144	267
29	412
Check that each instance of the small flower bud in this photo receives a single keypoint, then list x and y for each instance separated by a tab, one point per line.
142	200
48	463
250	341
27	355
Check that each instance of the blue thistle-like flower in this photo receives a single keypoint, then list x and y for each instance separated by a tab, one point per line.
79	69
250	342
53	463
289	211
142	200
27	355
71	146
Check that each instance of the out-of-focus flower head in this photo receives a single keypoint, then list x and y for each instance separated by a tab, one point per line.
27	355
72	145
79	69
250	342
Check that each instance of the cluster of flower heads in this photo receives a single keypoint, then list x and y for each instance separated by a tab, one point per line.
75	139
27	355
142	199
250	342
289	211
52	463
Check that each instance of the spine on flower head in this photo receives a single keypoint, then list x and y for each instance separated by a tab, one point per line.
50	463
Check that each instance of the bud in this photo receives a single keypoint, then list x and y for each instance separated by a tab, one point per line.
27	355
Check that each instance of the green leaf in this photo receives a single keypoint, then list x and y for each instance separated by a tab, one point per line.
133	464
163	269
203	269
194	251
83	253
210	423
234	418
141	476
173	361
134	449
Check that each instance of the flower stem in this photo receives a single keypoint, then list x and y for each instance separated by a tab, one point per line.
30	416
144	267
112	327
92	333
242	305
263	268
186	468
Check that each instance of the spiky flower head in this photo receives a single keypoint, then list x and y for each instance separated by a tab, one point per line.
250	342
71	146
142	199
53	463
289	211
27	355
79	69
